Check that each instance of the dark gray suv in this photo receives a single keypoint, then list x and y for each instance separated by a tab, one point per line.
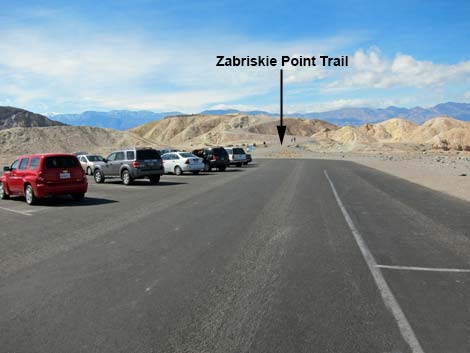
130	164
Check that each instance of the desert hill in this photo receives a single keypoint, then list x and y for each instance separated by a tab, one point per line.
11	117
224	129
17	141
438	133
394	135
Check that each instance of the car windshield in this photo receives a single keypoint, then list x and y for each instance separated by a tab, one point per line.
187	155
147	154
95	158
61	162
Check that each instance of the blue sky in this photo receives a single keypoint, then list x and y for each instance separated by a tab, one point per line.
64	57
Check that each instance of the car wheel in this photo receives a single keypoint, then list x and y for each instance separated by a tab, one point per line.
196	172
126	177
154	179
31	199
78	197
88	171
3	193
222	169
99	177
178	170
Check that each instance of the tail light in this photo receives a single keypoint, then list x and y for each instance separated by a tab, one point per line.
187	161
41	179
214	158
136	164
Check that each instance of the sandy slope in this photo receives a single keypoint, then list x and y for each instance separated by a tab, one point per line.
18	141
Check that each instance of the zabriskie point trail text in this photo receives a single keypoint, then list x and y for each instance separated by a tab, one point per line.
267	61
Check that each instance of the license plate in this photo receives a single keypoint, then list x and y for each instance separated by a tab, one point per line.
64	175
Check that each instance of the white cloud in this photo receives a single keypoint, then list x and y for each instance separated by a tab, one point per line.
51	67
373	70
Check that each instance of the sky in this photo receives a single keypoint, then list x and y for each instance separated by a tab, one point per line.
73	56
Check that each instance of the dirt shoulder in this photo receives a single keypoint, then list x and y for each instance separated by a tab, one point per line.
447	172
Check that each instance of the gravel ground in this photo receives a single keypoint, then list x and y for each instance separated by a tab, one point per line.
448	172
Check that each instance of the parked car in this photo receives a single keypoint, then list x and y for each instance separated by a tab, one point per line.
130	164
237	156
213	157
88	162
42	175
180	162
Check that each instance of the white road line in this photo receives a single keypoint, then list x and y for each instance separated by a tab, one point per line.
431	269
387	296
15	211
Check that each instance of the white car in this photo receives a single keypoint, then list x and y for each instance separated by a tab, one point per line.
236	155
180	162
88	162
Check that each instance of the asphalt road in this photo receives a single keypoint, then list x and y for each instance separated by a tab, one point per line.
274	257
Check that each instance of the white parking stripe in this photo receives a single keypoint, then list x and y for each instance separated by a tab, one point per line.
387	296
15	211
414	268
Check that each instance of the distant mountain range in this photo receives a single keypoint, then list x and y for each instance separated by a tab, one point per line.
358	116
114	119
126	119
11	117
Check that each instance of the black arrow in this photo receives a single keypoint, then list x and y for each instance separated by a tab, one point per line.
281	129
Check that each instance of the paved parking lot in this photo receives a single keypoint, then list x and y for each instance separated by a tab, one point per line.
282	256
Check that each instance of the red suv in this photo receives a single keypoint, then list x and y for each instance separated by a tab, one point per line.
41	175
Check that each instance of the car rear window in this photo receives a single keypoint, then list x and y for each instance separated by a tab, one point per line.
219	152
187	155
34	163
61	162
147	154
238	151
95	158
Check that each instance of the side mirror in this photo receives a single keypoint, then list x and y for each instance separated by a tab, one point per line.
6	169
105	160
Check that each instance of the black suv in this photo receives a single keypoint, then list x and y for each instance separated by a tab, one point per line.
214	157
129	164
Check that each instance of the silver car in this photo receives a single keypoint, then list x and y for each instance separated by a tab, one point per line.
180	162
236	155
88	162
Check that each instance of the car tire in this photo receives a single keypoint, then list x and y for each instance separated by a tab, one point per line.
99	177
31	199
3	193
196	172
154	179
88	171
126	177
78	197
178	170
222	169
